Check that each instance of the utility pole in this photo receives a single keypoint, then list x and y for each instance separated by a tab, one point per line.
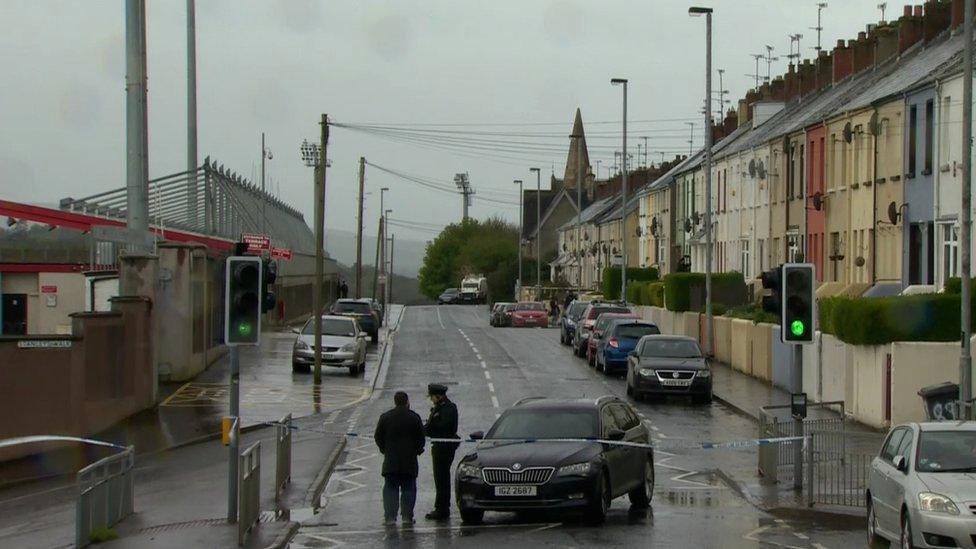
265	155
136	130
597	175
359	230
386	274
376	262
389	284
965	240
623	205
191	111
819	27
707	12
538	232
644	163
464	186
520	237
317	304
691	138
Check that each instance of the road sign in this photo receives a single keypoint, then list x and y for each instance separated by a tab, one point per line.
256	243
281	253
49	289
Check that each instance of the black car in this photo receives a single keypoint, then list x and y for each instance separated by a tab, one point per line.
569	319
669	365
450	295
585	323
377	308
363	312
498	315
513	468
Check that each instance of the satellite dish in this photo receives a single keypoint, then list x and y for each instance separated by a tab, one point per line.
893	213
848	133
873	125
752	168
818	201
761	169
859	261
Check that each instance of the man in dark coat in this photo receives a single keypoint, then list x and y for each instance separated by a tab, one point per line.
400	437
442	423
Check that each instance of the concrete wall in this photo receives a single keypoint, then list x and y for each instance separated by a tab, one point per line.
760	336
741	345
868	383
103	374
834	366
723	339
179	307
811	366
47	312
916	365
689	324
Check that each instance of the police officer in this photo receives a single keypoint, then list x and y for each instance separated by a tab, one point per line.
442	423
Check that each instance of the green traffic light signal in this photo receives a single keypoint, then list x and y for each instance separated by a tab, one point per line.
797	328
245	328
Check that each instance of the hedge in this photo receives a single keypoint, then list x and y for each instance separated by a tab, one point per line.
611	279
728	290
953	285
753	312
880	320
653	294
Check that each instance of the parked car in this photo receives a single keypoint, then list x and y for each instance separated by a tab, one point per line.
585	324
530	313
620	338
922	488
505	474
449	296
343	345
568	320
363	312
377	308
596	334
498	316
668	365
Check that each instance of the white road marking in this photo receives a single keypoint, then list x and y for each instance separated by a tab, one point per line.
654	428
487	374
801	536
483	364
477	355
432	529
491	386
440	320
494	401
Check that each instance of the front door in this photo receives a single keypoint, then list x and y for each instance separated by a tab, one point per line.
14	314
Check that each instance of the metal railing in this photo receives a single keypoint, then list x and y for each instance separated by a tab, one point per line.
774	456
104	495
249	492
833	479
282	431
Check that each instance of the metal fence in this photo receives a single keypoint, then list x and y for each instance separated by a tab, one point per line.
777	461
282	432
104	495
249	491
839	479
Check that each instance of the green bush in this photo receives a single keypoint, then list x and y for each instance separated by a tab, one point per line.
611	279
653	294
635	292
753	312
686	291
876	321
953	285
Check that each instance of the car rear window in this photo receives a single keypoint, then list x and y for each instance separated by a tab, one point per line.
635	331
670	348
531	307
576	310
332	327
545	423
353	307
597	311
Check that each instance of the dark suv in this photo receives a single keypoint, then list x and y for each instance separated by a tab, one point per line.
363	312
514	468
584	325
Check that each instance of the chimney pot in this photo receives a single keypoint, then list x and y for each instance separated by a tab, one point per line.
917	11
907	12
840	43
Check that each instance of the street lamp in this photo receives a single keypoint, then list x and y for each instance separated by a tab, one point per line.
387	274
538	232
623	214
380	245
265	155
519	182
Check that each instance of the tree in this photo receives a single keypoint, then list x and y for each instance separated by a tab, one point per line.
488	248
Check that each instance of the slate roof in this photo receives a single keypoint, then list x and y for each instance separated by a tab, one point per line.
593	212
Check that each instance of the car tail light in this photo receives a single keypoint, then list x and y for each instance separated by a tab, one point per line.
612	342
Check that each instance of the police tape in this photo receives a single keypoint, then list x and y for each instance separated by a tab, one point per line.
671	444
56	438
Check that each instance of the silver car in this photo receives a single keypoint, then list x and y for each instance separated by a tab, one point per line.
343	345
922	486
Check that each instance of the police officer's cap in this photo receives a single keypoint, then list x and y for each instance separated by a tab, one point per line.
436	389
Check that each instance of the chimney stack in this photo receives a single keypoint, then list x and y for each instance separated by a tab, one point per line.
843	61
863	52
886	43
792	84
743	114
825	68
764	92
731	122
909	28
936	19
777	90
808	77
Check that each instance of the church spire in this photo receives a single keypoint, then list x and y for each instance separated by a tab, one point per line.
569	177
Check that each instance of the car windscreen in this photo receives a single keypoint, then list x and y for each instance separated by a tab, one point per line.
353	307
576	310
946	452
531	307
635	331
671	348
450	291
510	307
597	311
332	327
545	424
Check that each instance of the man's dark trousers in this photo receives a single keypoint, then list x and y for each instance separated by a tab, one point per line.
442	456
399	495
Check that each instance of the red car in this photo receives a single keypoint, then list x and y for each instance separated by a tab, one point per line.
530	313
599	327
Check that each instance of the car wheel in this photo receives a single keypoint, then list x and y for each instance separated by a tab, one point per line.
630	390
906	533
874	540
704	399
362	367
300	368
600	504
640	497
374	337
472	516
354	370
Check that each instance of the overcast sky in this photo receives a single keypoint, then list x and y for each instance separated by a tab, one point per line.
276	66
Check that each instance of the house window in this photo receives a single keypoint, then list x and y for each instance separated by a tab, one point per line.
835	251
794	245
744	258
929	129
662	254
950	250
790	174
944	118
725	190
912	138
802	173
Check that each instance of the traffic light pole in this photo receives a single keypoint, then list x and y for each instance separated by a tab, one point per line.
798	421
235	405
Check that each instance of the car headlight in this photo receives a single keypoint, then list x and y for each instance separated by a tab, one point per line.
647	372
580	469
704	373
936	503
466	470
348	348
299	344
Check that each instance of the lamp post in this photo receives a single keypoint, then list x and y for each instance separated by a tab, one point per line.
315	156
386	272
623	208
519	182
377	267
965	240
538	232
707	12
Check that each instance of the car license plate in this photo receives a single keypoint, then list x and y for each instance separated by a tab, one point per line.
676	382
515	490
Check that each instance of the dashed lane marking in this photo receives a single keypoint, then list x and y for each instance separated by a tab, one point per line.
494	401
439	319
491	386
487	374
483	364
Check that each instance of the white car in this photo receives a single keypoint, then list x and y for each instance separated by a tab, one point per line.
922	486
343	345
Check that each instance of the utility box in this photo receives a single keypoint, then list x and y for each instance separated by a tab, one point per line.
941	401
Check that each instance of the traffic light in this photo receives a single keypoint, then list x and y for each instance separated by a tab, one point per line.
772	280
269	274
242	300
799	303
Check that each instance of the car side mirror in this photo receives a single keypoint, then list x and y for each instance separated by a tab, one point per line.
477	435
632	354
615	434
296	331
900	463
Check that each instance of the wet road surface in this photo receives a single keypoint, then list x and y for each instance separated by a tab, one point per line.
488	369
